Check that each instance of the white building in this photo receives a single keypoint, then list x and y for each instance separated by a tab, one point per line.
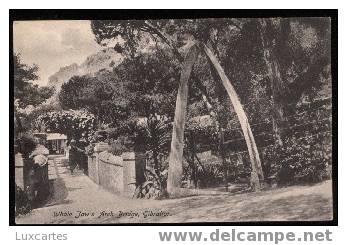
56	143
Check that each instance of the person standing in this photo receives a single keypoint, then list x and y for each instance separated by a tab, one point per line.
72	156
77	156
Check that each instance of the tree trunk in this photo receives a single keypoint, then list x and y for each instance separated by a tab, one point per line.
177	144
257	172
274	74
192	153
224	163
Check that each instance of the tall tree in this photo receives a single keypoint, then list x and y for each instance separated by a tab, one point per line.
25	92
99	94
295	52
274	74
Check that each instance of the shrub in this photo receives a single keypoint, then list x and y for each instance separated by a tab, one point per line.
22	202
26	144
89	149
122	144
154	186
303	160
76	124
209	172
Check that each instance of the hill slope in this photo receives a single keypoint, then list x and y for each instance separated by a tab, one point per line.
104	59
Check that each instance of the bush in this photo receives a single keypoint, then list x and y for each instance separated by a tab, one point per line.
89	149
26	144
303	160
209	173
76	124
122	144
22	202
155	185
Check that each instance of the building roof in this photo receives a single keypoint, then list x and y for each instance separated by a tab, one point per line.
56	136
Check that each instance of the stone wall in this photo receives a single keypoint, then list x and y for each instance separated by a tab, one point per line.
110	171
92	168
118	174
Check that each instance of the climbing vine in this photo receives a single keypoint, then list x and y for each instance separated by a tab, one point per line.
76	124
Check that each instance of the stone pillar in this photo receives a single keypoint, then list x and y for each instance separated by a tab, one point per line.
99	147
134	164
129	174
97	178
19	171
140	164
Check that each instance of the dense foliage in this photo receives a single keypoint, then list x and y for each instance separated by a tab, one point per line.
27	96
95	94
273	63
25	92
77	125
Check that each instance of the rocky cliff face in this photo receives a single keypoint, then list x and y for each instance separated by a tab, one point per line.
63	75
104	59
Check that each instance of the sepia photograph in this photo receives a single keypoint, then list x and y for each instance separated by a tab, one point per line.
173	120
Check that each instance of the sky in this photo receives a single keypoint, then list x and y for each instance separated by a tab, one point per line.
53	44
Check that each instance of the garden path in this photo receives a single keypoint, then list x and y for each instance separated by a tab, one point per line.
75	199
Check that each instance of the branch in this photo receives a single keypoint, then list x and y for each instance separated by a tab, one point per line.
180	58
166	39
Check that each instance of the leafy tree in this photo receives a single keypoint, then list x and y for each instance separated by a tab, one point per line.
151	84
26	96
25	92
150	90
99	94
120	98
275	65
72	94
295	52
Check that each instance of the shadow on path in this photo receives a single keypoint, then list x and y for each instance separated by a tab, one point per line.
57	188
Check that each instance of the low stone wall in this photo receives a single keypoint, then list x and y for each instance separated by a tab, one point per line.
110	171
118	174
92	168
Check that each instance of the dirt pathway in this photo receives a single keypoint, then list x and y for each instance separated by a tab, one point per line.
76	199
